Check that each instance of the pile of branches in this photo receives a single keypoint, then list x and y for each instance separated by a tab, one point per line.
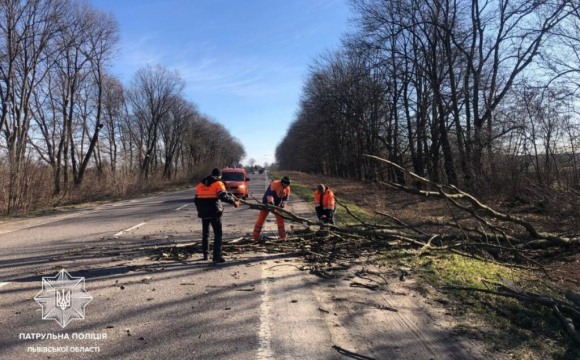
478	230
492	223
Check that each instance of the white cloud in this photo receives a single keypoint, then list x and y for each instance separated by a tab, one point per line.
205	69
242	76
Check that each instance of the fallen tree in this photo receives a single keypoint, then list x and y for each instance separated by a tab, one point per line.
472	230
478	210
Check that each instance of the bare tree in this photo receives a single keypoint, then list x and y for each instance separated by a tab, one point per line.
153	93
57	96
114	114
102	38
29	29
172	126
430	84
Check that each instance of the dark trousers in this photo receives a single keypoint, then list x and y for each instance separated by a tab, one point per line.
216	224
329	219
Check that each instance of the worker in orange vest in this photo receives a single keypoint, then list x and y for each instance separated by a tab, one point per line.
324	204
208	200
277	194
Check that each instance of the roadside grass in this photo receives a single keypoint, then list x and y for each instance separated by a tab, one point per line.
524	332
87	204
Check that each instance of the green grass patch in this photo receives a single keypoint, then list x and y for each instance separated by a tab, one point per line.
525	331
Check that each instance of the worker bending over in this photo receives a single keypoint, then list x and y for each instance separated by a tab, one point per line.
324	203
277	194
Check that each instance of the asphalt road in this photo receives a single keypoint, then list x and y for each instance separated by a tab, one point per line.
254	306
150	309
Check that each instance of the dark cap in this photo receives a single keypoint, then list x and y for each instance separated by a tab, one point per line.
216	172
285	180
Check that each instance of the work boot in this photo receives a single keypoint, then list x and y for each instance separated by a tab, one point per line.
205	257
218	259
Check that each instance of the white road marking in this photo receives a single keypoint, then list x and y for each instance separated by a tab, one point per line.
181	207
135	227
265	334
143	202
129	229
3	284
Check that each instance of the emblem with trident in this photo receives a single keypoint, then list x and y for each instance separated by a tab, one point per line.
63	301
63	298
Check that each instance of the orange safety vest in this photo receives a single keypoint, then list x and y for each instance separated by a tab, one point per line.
210	192
325	200
276	193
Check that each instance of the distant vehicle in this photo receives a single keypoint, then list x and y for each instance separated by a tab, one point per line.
253	172
236	181
261	171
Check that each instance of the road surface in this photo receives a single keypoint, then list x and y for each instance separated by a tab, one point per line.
254	306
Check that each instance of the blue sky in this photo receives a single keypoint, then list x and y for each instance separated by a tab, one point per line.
244	61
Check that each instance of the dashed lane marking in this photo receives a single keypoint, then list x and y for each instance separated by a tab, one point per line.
129	229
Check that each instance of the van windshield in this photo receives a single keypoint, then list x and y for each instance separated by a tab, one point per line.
233	176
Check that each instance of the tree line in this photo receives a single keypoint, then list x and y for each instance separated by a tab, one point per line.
481	94
71	131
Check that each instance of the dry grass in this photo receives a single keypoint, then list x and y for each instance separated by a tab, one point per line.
38	193
414	210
